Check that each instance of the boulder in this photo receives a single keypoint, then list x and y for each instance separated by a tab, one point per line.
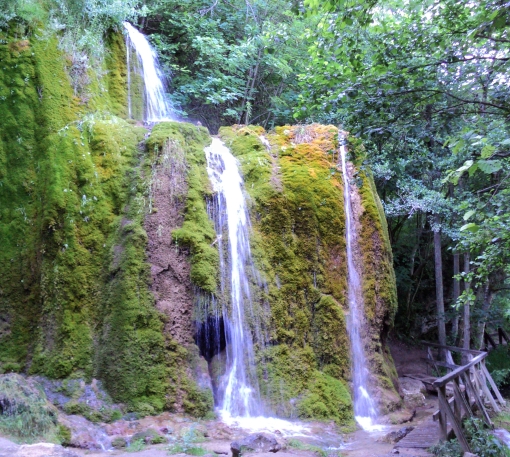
396	436
7	447
256	442
412	392
149	436
43	450
85	434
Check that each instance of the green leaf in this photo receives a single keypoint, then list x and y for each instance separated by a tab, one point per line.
471	227
489	166
469	214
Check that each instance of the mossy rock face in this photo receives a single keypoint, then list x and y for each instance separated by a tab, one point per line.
295	183
298	245
378	278
75	298
25	413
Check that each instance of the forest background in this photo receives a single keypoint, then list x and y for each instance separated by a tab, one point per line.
424	84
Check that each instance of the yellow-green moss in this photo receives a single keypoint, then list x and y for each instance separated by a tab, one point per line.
74	282
117	75
298	245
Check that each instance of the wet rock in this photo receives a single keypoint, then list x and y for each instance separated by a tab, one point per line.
396	436
149	436
412	392
85	434
119	442
75	396
7	447
256	442
43	450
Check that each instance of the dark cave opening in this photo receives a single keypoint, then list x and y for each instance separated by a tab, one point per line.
210	337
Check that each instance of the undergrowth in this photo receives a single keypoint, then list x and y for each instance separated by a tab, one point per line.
25	414
186	443
498	363
481	442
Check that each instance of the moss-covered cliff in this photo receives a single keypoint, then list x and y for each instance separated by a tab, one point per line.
299	245
106	245
75	296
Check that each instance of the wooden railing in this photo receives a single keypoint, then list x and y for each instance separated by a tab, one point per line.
488	338
470	387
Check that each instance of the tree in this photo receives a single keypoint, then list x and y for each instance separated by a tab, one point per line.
425	85
231	62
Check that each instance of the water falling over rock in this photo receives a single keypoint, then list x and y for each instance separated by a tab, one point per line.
239	392
364	406
156	106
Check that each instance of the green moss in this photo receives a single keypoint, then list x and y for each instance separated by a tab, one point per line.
295	388
298	245
197	233
75	298
328	399
117	74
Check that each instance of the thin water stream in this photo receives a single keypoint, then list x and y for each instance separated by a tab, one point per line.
364	406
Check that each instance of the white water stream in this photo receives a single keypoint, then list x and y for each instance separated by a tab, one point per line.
241	397
156	106
365	411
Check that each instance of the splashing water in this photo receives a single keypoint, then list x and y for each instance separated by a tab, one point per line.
364	407
240	392
156	106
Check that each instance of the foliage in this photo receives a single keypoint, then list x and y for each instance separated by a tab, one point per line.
25	413
186	443
424	85
321	452
230	62
498	364
481	442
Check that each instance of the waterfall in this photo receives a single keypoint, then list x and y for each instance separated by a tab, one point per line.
364	406
156	107
239	392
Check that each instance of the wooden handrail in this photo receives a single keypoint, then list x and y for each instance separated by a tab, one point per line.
453	374
452	348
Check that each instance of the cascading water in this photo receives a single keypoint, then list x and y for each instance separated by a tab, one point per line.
364	407
157	107
240	393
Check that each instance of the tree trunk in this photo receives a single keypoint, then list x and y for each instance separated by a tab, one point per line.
486	304
438	267
467	305
455	297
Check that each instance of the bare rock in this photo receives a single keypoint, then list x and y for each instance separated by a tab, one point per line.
256	442
7	448
43	450
412	392
85	434
396	436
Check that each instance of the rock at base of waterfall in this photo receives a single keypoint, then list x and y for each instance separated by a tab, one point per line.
396	436
85	434
412	392
256	442
149	436
43	450
7	447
